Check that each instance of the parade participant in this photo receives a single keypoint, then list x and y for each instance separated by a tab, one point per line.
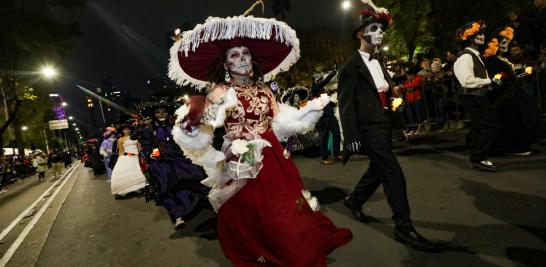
264	214
364	89
520	119
473	77
174	178
328	122
106	150
127	176
297	96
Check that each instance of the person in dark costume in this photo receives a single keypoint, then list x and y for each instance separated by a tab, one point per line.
364	88
474	79
328	122
175	179
520	119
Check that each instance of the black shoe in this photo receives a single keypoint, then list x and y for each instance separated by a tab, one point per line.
484	165
409	237
355	209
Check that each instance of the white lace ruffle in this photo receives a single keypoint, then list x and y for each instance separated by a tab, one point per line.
237	171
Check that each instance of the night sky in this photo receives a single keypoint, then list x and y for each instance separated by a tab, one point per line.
126	39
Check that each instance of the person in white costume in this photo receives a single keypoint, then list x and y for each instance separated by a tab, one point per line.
127	176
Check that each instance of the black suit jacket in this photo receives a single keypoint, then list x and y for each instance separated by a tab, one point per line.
359	103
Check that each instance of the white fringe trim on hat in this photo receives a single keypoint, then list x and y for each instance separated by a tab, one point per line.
230	28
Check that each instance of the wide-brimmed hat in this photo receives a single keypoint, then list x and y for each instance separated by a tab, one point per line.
109	131
273	44
369	14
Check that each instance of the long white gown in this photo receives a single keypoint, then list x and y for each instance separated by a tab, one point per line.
127	176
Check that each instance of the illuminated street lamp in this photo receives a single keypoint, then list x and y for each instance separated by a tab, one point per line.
345	5
49	72
73	124
64	104
77	129
71	117
385	48
24	128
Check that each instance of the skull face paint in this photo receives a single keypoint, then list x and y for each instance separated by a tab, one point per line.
373	34
480	39
238	60
503	46
161	114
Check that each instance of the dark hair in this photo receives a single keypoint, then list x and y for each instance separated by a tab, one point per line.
217	74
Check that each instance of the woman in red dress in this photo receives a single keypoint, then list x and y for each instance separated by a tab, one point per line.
265	216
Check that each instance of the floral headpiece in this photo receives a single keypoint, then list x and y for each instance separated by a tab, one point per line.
492	48
464	33
507	33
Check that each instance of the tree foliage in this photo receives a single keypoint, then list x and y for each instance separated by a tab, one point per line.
29	34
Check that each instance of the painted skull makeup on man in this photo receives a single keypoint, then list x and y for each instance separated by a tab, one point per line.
238	60
373	34
503	46
161	114
480	39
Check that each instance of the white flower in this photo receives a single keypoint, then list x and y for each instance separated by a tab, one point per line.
306	194
314	204
239	147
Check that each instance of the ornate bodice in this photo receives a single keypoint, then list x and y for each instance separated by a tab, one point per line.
253	113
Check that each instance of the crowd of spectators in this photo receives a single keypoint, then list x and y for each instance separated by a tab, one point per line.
15	167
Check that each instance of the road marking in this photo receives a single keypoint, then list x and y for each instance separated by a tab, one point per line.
32	206
13	248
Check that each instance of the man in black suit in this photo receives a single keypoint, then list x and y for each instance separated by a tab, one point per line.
364	89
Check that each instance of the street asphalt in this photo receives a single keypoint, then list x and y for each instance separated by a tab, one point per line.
482	218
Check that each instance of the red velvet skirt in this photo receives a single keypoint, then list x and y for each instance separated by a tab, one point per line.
269	218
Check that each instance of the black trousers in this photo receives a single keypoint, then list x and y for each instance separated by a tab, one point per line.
324	129
485	125
384	169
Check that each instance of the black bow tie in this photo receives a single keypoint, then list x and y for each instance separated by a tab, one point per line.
373	56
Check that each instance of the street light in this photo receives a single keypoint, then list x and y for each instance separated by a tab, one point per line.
345	5
64	104
71	117
49	72
73	124
77	129
385	48
24	128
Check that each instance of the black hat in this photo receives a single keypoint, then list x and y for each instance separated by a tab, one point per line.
288	96
372	14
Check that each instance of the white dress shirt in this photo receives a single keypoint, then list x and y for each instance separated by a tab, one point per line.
464	71
375	70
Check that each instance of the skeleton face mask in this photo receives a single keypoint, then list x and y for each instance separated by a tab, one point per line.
503	46
238	60
373	34
480	39
161	114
